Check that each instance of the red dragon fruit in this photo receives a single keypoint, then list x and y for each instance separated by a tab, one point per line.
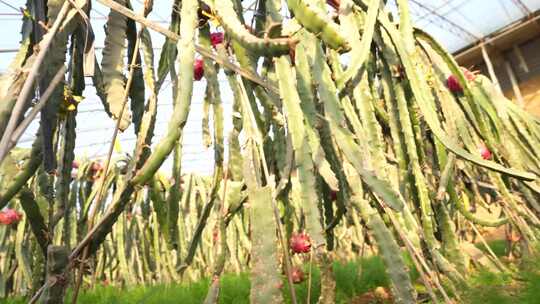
297	275
453	84
333	195
9	216
484	152
216	38
198	69
300	243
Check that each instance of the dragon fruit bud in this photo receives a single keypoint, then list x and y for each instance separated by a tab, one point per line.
198	69
297	275
216	38
300	243
9	216
484	152
334	3
470	76
453	84
96	167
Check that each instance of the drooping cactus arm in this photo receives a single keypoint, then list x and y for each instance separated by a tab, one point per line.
304	83
418	180
205	52
202	221
388	248
463	207
52	63
295	125
37	223
186	44
9	88
28	169
327	91
178	120
423	97
27	88
113	66
148	121
360	48
261	46
316	21
472	106
168	51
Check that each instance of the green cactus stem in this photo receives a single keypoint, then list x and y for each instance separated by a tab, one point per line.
233	26
56	281
315	20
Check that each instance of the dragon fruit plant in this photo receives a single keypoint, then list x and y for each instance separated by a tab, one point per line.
343	120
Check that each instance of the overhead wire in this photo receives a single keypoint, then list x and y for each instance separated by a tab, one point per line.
11	6
523	7
447	23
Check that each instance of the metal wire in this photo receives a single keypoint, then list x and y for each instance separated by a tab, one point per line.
452	25
11	6
522	7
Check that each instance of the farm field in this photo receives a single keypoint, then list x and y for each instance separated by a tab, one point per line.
356	284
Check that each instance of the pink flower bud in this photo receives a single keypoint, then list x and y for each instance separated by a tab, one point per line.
484	152
297	275
470	76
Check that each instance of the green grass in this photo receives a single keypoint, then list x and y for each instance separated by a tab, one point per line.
352	279
522	287
497	246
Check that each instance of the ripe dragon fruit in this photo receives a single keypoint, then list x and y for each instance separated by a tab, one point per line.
297	275
300	243
333	195
9	216
198	69
484	152
216	38
453	84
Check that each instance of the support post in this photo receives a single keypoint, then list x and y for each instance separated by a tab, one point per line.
490	68
522	62
514	82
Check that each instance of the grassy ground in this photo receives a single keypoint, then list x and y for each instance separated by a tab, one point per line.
353	279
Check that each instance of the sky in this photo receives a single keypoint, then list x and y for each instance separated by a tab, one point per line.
460	23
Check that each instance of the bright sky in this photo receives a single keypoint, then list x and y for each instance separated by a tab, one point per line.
460	23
